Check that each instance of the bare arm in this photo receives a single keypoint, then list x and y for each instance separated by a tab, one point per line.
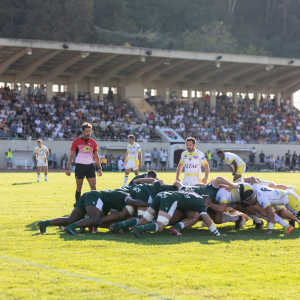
217	207
178	171
144	180
125	159
68	170
234	169
98	163
177	184
207	170
136	202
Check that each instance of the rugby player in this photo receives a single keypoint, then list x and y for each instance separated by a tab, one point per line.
235	163
192	159
145	193
148	177
133	158
164	205
266	197
85	149
41	154
97	205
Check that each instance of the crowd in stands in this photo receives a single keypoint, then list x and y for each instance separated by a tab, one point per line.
61	117
239	123
35	117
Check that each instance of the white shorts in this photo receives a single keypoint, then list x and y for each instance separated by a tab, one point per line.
190	180
41	163
132	164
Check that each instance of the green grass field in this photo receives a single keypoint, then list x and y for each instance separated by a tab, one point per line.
247	264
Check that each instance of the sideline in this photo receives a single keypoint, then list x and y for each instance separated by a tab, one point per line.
120	286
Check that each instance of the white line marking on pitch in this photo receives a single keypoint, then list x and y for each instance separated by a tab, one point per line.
120	286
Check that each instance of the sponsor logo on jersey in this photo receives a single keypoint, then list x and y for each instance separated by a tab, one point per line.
196	157
86	149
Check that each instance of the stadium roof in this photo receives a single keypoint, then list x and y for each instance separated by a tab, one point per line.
50	60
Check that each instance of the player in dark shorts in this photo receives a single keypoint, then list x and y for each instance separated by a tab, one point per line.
97	204
146	193
148	177
165	203
85	150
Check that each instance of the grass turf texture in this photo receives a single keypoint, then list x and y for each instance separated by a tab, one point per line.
247	264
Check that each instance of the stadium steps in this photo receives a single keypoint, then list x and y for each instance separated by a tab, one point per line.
140	106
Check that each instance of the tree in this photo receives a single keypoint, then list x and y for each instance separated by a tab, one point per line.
213	38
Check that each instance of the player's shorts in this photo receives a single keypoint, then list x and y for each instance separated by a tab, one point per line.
41	163
8	160
191	180
241	169
89	199
147	162
278	207
294	202
50	162
82	171
132	164
163	163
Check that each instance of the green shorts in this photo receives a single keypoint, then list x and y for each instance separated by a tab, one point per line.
92	198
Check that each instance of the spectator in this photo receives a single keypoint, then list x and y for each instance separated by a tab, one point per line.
294	160
163	160
252	160
215	159
155	155
64	162
50	160
120	164
54	161
287	160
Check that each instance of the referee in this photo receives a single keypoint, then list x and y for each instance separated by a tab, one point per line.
85	150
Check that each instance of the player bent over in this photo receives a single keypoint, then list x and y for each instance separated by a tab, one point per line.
164	204
133	158
41	154
148	177
97	204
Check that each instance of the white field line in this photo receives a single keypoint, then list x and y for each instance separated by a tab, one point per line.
117	285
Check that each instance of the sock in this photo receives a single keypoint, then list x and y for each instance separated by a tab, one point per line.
45	176
148	227
128	223
125	180
212	228
179	226
77	195
46	223
73	225
281	222
38	177
229	218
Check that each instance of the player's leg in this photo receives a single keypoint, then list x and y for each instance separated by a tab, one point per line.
136	167
239	172
76	215
92	183
192	219
79	184
127	171
38	173
91	177
45	167
211	226
249	211
286	214
125	213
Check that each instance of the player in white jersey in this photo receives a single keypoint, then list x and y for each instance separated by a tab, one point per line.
133	158
235	163
192	159
267	197
41	154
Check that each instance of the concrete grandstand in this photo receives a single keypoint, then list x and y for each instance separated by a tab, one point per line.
143	79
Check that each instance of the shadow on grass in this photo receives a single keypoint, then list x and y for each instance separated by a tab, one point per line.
190	235
22	183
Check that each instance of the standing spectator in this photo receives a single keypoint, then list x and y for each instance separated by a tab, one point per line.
209	158
287	160
148	158
262	158
252	160
163	159
50	160
64	161
120	164
54	162
215	159
294	160
155	157
9	154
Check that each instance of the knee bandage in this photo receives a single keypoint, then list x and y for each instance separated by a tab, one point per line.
130	209
163	220
140	212
148	216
